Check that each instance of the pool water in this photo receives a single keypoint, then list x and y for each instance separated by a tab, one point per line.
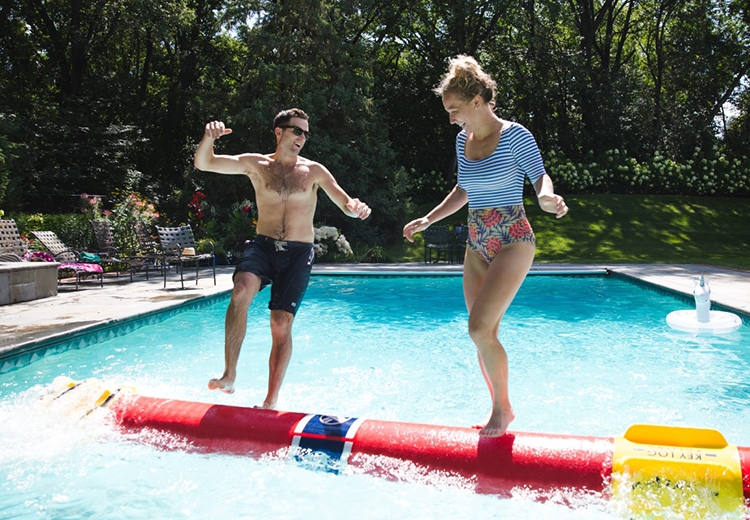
588	356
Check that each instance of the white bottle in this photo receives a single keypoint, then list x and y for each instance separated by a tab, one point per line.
702	295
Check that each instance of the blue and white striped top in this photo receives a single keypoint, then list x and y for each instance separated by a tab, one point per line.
497	180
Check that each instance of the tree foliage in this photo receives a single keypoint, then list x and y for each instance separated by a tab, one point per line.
105	95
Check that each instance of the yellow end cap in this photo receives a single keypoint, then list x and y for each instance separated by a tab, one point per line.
676	436
692	470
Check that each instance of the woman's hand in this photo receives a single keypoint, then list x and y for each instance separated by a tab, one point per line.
553	204
415	226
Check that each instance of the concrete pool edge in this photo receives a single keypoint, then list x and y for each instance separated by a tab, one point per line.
680	295
730	288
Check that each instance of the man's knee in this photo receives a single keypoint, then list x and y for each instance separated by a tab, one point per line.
246	286
281	323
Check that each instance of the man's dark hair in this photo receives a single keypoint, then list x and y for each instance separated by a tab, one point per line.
283	117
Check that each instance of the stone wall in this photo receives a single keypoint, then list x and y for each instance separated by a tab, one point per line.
24	281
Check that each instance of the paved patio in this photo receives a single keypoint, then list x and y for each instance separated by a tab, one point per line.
27	323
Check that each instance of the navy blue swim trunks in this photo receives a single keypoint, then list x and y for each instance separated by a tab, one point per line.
284	264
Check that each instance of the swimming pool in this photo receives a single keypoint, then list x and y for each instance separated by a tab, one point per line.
588	356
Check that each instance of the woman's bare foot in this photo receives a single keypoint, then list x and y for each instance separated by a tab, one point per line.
486	420
222	384
498	423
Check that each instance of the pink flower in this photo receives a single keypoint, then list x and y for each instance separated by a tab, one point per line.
491	217
493	246
519	228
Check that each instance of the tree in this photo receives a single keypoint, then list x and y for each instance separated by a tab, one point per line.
51	88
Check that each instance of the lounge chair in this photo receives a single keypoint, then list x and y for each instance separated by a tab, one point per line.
70	259
147	249
146	243
105	240
109	252
178	247
12	247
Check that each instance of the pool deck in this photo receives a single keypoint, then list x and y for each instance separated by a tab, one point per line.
25	324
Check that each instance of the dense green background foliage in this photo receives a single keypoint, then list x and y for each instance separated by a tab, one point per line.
623	96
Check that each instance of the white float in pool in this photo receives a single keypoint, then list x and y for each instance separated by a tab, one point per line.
702	319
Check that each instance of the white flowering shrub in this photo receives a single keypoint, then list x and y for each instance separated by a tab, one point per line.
706	173
330	242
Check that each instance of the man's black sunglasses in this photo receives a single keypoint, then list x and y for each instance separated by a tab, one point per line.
297	131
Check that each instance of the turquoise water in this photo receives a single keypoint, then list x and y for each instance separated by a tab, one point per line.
588	356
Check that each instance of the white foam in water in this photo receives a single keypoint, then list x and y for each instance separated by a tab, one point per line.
591	357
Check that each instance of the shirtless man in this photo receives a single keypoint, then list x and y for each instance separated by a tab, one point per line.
286	187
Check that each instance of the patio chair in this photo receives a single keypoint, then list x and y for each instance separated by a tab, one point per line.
459	248
70	259
105	239
107	249
146	244
178	247
12	247
147	249
438	239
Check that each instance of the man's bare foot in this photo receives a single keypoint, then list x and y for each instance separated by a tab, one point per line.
221	384
265	406
497	423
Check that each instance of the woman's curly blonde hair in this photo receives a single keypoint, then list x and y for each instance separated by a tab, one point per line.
466	79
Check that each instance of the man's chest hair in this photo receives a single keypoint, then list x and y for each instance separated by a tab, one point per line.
286	180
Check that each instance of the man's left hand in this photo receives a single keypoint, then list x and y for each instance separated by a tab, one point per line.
358	209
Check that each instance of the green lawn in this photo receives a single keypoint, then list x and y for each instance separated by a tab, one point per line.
634	229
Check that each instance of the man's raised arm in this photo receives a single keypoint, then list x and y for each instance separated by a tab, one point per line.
206	160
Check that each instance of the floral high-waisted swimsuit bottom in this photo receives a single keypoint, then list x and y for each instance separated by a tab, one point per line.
491	229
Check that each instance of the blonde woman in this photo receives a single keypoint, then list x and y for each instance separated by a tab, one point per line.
494	158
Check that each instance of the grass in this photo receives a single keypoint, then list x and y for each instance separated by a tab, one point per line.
646	229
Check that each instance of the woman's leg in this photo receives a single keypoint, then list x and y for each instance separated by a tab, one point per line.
489	291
